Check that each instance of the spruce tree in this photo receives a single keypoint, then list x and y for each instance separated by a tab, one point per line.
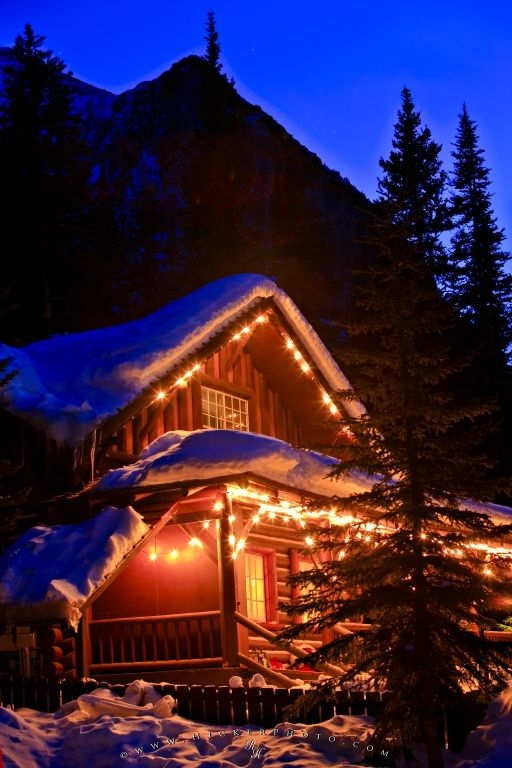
406	555
482	289
413	185
212	55
43	189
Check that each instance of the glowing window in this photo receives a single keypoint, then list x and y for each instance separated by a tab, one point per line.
223	411
255	586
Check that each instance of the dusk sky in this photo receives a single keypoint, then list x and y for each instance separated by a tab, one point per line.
329	71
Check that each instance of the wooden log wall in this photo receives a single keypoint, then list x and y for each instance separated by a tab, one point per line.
281	539
181	409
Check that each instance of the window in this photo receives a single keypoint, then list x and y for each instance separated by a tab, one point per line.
255	586
223	411
260	586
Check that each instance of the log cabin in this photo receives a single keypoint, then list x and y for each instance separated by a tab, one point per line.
180	457
196	424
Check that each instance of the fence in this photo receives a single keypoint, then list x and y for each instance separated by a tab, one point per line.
209	703
221	705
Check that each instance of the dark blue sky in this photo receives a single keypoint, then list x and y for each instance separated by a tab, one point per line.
330	71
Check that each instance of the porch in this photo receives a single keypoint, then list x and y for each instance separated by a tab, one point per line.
206	646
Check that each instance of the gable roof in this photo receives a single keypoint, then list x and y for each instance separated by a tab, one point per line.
69	385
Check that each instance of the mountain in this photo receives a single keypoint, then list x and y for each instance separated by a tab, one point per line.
201	184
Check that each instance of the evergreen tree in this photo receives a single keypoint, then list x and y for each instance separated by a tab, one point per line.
413	185
43	189
212	55
482	289
411	560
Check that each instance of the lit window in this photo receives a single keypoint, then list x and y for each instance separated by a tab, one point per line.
223	411
255	586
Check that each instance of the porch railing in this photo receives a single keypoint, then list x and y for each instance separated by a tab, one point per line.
167	641
274	640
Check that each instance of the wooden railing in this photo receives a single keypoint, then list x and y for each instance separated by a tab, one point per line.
168	641
274	640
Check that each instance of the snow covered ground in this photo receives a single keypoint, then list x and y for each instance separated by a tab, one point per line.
100	729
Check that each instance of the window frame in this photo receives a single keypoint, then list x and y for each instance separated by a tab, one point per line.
269	583
222	395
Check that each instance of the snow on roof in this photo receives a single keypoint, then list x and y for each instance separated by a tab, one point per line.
62	566
207	454
69	384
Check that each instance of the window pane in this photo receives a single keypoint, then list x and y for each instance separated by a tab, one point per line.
221	411
255	586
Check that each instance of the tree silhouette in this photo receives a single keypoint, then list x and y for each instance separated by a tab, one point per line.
212	55
407	554
413	185
482	289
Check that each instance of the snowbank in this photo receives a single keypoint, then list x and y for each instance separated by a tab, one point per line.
140	729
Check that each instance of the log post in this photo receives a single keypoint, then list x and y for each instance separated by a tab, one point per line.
227	588
86	642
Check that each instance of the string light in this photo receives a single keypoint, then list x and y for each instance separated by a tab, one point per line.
360	532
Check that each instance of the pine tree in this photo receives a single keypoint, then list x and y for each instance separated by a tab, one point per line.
43	188
212	55
406	554
413	185
482	289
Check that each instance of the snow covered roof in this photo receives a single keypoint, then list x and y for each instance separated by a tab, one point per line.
70	384
53	571
183	457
